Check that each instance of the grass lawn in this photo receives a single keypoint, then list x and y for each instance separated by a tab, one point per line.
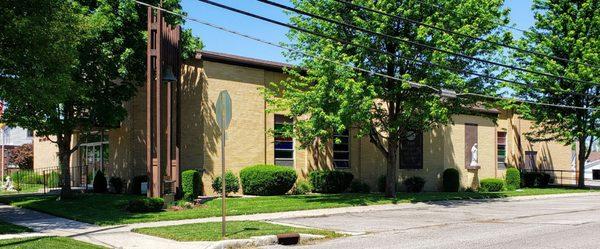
235	230
108	209
46	242
8	228
25	188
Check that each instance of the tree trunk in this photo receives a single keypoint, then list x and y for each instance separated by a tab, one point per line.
64	160
392	175
581	156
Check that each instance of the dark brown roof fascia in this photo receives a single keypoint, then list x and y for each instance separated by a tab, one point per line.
242	61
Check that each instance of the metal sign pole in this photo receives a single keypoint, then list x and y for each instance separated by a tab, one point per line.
223	206
223	111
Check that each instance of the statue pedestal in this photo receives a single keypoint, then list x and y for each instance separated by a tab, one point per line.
473	166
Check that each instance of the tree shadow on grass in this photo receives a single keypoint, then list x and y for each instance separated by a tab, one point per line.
17	243
344	199
437	198
101	209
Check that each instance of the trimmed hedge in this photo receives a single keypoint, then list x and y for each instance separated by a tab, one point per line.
145	205
117	184
267	179
191	184
451	180
232	183
302	187
136	184
491	185
330	181
535	179
529	179
359	187
100	182
543	180
414	184
513	179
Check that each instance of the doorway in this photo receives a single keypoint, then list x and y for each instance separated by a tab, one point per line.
530	160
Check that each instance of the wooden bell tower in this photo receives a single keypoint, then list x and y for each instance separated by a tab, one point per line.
163	87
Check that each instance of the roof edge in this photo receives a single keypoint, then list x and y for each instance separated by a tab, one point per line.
242	61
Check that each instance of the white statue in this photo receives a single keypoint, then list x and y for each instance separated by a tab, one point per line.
8	185
474	156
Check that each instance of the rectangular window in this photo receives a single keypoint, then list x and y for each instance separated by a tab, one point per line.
284	146
29	133
341	150
411	154
596	174
501	149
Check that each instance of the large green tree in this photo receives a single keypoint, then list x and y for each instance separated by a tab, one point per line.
68	66
326	97
569	30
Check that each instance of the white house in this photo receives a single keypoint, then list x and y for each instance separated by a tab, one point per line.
592	166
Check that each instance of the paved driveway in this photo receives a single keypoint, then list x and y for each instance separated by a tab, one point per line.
565	222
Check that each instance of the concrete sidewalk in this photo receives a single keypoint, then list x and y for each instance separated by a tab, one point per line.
114	237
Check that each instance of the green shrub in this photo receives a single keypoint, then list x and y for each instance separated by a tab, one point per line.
232	183
359	187
26	177
529	179
414	184
100	182
451	180
117	184
191	184
136	184
53	179
513	178
145	205
302	187
543	180
90	176
267	179
381	184
491	185
330	181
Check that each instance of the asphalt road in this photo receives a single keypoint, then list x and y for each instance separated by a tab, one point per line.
565	222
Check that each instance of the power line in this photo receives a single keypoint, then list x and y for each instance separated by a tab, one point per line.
429	47
414	84
445	9
422	62
462	34
357	45
527	101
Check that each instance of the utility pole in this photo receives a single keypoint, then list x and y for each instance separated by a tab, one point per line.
3	142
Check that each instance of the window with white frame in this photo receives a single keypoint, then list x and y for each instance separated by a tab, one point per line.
284	145
341	150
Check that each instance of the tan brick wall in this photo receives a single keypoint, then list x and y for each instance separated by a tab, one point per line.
45	153
249	143
247	139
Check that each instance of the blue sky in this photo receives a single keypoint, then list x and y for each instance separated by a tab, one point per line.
216	40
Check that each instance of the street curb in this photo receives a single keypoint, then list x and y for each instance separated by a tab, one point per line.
259	241
24	235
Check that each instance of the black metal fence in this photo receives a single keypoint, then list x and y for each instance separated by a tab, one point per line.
44	180
555	176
